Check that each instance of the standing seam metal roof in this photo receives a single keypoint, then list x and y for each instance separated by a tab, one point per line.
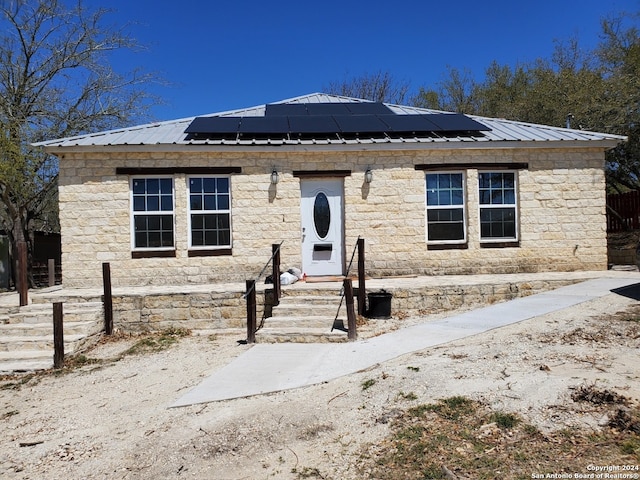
173	132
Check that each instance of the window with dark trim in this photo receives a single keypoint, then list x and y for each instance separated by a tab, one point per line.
445	207
498	213
153	213
209	212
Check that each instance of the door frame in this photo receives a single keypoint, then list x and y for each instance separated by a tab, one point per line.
341	227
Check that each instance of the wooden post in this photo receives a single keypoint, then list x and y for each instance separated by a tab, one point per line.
275	250
23	281
51	265
58	336
107	299
362	307
251	311
351	314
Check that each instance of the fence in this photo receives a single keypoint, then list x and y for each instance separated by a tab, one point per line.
623	211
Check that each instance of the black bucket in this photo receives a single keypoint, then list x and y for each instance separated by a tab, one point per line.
379	304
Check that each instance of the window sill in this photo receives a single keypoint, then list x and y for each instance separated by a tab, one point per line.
218	252
508	244
153	253
447	246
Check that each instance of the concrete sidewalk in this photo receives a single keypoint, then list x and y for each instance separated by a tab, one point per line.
267	368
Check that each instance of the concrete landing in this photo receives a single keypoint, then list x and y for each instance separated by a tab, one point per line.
267	368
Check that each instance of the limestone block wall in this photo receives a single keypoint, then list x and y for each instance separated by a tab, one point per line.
561	210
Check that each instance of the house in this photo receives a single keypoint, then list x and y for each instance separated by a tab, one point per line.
202	199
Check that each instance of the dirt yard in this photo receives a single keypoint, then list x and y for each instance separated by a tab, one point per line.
108	419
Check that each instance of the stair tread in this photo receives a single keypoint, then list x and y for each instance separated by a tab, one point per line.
38	338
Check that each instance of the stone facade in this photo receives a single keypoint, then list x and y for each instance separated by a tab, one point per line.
561	210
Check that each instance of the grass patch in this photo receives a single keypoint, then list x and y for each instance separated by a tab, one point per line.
367	384
457	437
157	342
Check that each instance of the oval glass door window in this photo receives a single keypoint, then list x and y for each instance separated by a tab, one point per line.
321	215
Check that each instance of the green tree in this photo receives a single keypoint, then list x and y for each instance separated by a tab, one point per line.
55	81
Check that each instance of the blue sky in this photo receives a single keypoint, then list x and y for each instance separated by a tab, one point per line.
219	55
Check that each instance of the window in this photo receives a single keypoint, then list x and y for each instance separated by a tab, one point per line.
498	213
152	201
445	208
209	212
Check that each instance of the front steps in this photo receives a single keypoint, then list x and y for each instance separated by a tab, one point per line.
26	333
305	317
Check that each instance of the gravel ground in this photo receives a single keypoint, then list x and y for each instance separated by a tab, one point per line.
111	421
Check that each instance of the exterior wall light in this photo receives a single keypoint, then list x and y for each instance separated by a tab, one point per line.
274	177
368	175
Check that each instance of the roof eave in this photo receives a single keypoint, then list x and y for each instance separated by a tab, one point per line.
604	144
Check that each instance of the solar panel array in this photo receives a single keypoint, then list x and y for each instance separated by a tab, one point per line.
339	119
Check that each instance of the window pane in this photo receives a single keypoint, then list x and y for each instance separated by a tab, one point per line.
141	240
209	185
432	197
166	186
210	202
138	186
153	204
167	203
196	222
223	185
444	198
138	204
195	202
153	185
432	182
444	180
197	238
223	202
195	185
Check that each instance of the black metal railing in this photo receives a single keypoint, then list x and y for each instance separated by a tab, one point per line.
250	293
347	291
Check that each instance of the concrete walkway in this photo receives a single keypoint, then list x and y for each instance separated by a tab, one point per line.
267	368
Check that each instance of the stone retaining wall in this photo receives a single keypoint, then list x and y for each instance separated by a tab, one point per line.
227	311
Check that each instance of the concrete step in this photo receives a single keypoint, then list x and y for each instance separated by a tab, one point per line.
300	335
307	321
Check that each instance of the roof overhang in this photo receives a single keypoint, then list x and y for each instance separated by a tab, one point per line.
605	144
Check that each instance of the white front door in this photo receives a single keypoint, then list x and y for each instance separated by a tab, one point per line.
322	213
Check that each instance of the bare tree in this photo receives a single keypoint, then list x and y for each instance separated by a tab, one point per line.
377	87
55	81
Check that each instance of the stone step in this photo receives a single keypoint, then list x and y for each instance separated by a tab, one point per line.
306	310
37	342
43	329
320	299
43	313
300	335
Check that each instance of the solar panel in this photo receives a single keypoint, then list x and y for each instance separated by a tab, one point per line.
332	118
456	122
223	125
368	108
409	123
360	124
264	125
327	109
286	109
305	124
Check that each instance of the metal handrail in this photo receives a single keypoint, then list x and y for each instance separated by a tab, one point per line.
273	254
342	292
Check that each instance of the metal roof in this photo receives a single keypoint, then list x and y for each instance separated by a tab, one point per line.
171	134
